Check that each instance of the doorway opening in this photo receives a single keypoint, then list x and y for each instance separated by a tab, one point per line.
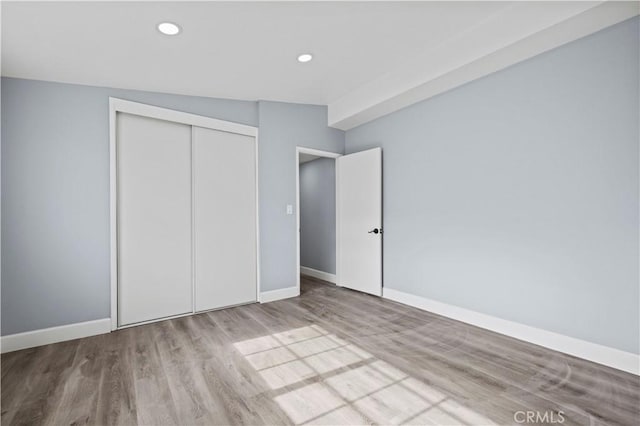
316	253
345	225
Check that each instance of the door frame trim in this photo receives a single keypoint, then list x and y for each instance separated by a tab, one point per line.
117	105
322	154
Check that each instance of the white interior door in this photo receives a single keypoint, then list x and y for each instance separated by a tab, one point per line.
153	218
224	192
359	221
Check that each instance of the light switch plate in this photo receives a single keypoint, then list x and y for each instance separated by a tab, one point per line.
289	209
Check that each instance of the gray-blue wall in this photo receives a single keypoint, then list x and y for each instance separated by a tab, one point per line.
517	195
55	192
318	215
283	127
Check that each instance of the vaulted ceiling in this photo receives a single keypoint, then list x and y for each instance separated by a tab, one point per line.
370	58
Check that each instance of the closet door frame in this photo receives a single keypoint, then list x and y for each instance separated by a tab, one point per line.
123	106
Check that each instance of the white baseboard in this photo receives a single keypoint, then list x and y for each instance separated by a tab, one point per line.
281	293
594	352
46	336
318	274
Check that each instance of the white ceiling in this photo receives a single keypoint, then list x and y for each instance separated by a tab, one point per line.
230	50
305	158
513	34
248	50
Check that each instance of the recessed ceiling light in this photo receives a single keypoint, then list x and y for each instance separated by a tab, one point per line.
305	57
168	28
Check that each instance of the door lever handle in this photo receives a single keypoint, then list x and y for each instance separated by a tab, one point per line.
375	231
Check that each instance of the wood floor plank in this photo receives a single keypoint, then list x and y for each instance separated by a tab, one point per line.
78	397
117	399
505	354
330	356
188	390
473	378
243	391
13	385
210	364
43	386
154	404
459	382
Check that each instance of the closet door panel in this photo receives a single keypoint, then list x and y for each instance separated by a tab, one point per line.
154	218
224	218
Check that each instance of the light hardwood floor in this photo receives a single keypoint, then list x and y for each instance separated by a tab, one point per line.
330	356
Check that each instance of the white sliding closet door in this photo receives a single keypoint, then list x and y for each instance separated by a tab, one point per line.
224	206
154	218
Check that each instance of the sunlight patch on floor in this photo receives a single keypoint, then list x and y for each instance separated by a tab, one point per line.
319	378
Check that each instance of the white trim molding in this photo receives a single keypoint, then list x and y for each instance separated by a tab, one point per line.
137	108
46	336
279	294
326	276
594	352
